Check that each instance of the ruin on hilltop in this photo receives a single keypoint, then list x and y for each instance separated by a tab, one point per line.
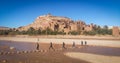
57	23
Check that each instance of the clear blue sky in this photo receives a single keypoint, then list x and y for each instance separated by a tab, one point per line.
15	13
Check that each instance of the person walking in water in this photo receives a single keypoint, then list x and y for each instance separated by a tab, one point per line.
85	42
37	46
51	46
81	42
73	44
63	45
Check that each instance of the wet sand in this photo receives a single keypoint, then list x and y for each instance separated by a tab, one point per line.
39	57
52	56
94	58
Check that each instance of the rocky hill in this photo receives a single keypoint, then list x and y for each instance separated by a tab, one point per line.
57	23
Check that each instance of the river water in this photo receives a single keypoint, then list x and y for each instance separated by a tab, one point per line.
22	46
19	46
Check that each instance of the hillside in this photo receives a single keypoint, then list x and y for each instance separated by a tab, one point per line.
57	23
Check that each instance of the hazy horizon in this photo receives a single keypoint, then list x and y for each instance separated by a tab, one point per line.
16	13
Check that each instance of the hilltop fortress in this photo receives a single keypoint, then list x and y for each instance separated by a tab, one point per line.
56	23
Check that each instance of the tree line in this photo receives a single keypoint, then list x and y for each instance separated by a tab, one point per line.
31	31
97	30
100	31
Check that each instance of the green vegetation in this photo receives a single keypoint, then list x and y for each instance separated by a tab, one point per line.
74	32
97	30
31	31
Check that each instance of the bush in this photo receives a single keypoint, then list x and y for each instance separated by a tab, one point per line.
4	32
73	33
89	32
48	31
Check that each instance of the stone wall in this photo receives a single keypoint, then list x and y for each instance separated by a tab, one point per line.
115	31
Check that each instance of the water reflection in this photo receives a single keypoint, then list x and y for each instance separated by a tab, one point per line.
19	46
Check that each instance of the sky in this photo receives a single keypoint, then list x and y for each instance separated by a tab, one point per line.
16	13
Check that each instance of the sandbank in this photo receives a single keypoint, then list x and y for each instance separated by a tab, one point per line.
93	58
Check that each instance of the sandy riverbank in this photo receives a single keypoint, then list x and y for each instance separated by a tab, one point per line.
93	58
95	42
96	37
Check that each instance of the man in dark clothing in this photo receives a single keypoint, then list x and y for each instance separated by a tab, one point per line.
63	46
73	44
81	42
85	42
51	46
37	46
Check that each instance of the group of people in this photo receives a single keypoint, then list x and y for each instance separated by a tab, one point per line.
51	46
83	43
63	45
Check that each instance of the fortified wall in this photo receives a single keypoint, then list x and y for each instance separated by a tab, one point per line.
116	31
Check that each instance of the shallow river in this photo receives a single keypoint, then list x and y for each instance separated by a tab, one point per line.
17	45
21	46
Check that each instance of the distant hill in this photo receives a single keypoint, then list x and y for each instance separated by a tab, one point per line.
4	28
